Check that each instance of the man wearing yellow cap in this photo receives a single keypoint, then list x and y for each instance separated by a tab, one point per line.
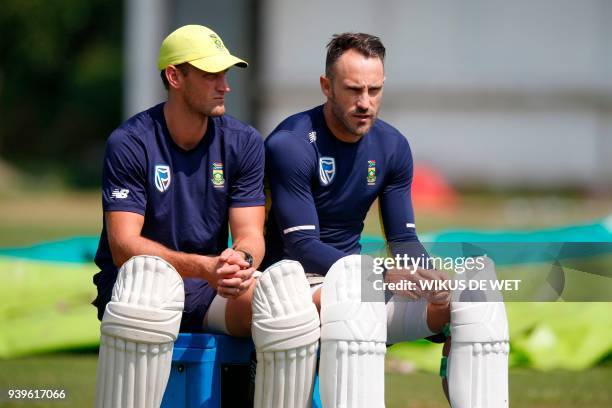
174	177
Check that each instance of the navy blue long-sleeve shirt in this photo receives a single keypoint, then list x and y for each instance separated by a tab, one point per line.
322	188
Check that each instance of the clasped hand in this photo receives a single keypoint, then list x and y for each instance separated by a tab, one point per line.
233	273
422	286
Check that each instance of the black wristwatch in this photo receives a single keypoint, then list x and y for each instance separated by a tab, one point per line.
247	257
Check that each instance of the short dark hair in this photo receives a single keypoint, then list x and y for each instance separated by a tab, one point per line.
182	67
366	44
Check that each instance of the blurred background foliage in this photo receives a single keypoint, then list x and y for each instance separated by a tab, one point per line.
60	87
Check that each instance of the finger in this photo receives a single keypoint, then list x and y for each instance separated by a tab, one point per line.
233	291
232	282
228	269
230	290
441	297
414	293
245	273
238	275
432	274
228	252
396	276
238	259
246	284
225	292
409	294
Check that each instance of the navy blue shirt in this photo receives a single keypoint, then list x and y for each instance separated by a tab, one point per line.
184	195
322	189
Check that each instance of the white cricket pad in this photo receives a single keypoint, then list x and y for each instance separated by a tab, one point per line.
353	337
286	333
138	331
478	359
406	320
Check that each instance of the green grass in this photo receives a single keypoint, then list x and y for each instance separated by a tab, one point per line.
28	218
75	373
528	388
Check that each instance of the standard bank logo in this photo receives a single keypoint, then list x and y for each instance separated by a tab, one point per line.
327	170
162	177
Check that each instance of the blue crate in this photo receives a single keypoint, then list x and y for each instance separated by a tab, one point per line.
196	374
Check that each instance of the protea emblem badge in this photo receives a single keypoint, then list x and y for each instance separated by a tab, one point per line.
218	178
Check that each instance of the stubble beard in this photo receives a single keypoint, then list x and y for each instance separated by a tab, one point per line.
344	120
218	110
199	107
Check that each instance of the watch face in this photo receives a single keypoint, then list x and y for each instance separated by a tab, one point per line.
247	257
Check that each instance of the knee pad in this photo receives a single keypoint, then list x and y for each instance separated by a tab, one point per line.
138	330
286	332
406	320
353	337
478	359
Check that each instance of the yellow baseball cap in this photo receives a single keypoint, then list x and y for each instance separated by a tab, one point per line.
199	46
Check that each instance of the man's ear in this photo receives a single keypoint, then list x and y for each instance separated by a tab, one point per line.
172	75
326	85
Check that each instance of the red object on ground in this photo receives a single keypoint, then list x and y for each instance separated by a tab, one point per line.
430	190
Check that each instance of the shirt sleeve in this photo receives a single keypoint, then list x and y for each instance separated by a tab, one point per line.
290	169
124	174
247	190
396	205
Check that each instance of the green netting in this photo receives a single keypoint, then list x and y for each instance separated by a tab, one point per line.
83	249
544	336
598	231
47	290
73	250
46	307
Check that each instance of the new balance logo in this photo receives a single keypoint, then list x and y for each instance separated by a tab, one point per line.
312	136
123	193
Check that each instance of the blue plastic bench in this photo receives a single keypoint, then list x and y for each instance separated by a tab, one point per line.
212	371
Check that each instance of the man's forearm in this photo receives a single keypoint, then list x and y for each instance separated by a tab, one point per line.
253	244
314	255
187	265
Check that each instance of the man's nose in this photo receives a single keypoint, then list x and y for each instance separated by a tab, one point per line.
363	101
222	84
